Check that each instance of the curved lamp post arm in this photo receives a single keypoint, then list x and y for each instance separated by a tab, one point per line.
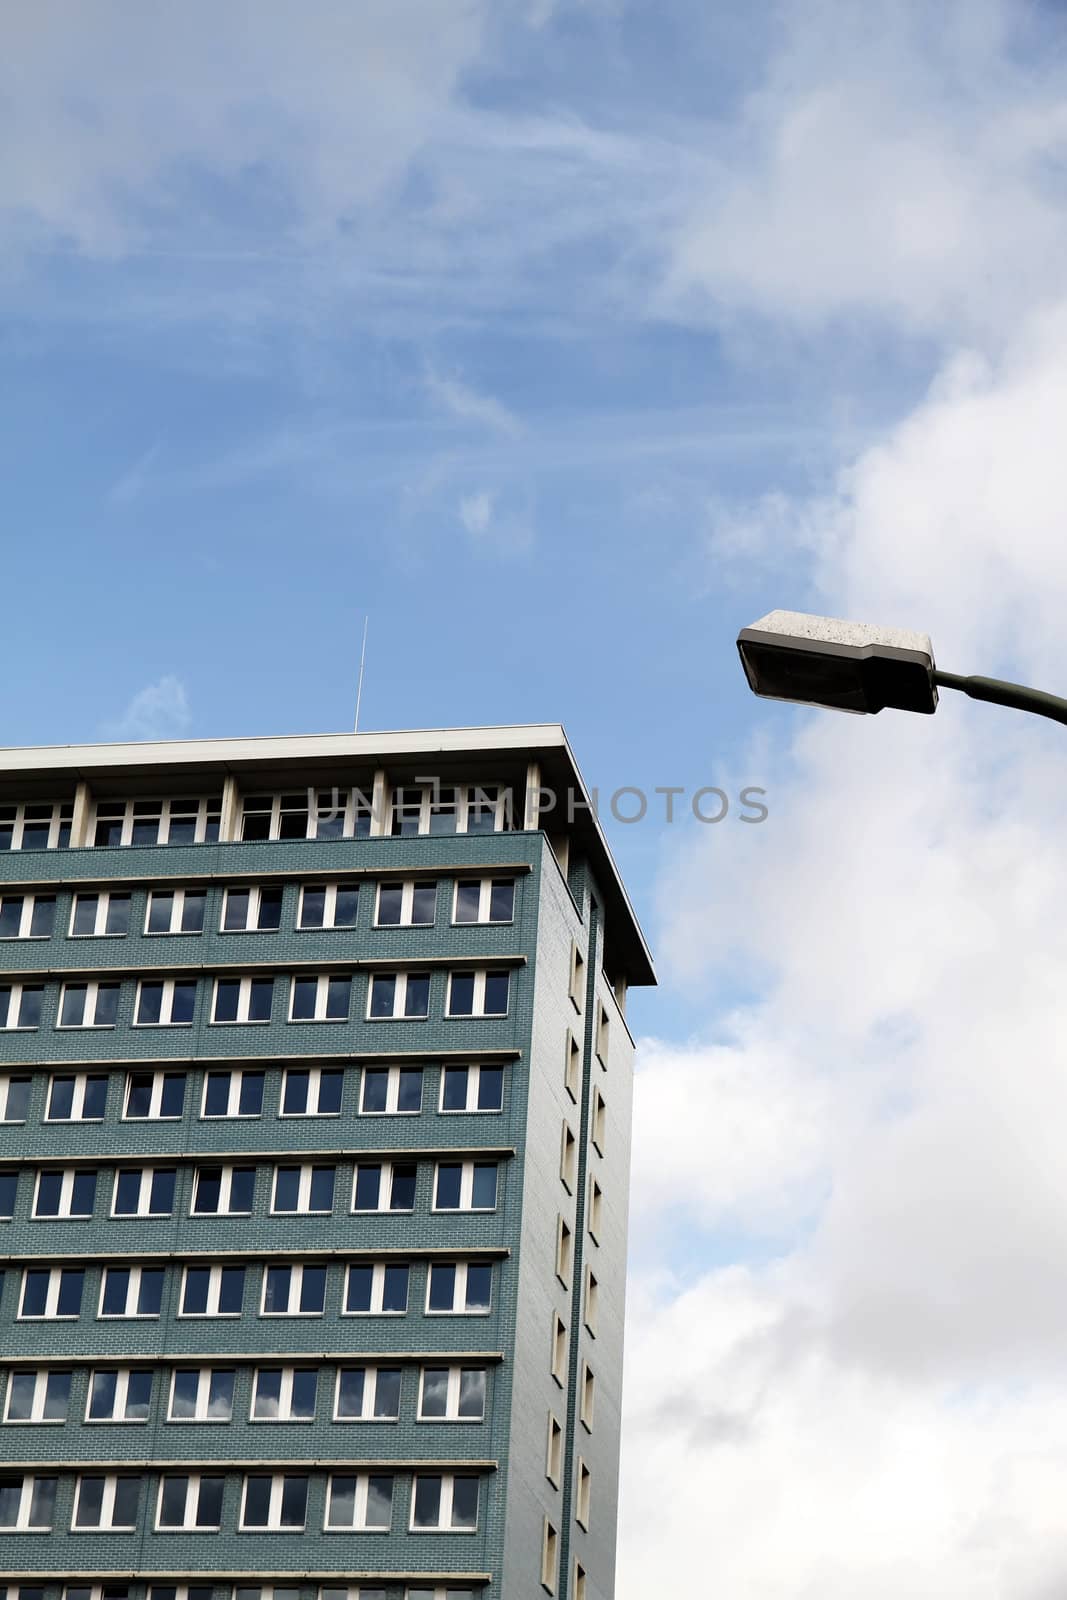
1000	693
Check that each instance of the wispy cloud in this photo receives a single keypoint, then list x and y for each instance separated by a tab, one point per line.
130	484
158	711
471	405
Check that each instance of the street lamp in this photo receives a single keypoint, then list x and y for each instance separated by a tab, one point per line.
854	666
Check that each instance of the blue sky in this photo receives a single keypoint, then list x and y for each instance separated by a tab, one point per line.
562	338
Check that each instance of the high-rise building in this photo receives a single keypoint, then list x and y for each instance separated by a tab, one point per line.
315	1090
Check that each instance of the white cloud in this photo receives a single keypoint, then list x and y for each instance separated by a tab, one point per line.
158	711
469	405
476	512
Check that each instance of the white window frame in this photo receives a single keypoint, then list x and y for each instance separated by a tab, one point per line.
155	1113
587	1397
385	1187
51	1312
121	1401
466	1188
356	805
322	994
576	987
392	1092
444	1523
591	1302
133	1294
92	988
480	975
400	990
603	1034
41	1379
6	1080
166	1004
329	909
26	910
202	1404
370	1392
233	1113
572	1067
144	1197
467	796
564	1251
583	1494
359	1523
254	892
377	1290
226	1172
177	914
474	1077
15	994
549	1556
66	1195
277	1489
558	1349
455	1380
314	1090
598	1120
485	900
285	1398
107	1524
407	888
77	1108
459	1291
22	1523
103	898
568	1157
189	1523
214	1296
296	1285
554	1451
244	1001
306	1169
62	812
594	1215
208	808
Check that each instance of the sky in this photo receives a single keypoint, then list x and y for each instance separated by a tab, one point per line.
562	338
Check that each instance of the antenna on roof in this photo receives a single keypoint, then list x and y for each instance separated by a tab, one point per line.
362	662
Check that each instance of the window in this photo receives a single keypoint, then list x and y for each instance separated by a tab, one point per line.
51	1292
459	1287
175	911
131	1292
554	1459
77	1097
478	994
201	1394
9	1184
360	1501
144	1192
328	905
384	1186
465	1186
472	1088
572	1067
189	1501
484	900
20	1005
108	1503
88	1005
119	1394
559	1348
398	994
376	1288
284	1394
592	1301
587	1394
367	1394
252	910
596	1208
568	1159
439	809
126	822
154	1096
310	814
577	984
223	1191
167	1004
392	1091
37	1396
452	1394
411	904
64	1193
14	1099
583	1494
274	1502
305	1189
564	1252
598	1119
242	999
603	1034
549	1557
439	1593
35	826
27	916
27	1504
268	1592
294	1291
100	916
312	1092
320	999
212	1292
188	1591
580	1589
444	1502
99	1591
233	1094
